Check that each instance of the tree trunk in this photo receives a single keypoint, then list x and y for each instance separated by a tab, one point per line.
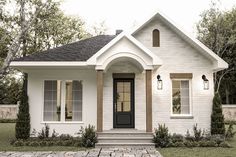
227	95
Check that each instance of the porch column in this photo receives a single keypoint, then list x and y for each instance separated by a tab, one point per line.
99	100
148	100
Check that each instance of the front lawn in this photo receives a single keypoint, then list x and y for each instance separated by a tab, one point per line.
7	132
201	152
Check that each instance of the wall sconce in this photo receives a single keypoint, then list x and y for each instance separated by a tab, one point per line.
159	82
205	82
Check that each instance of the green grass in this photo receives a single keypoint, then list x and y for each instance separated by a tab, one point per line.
7	132
201	152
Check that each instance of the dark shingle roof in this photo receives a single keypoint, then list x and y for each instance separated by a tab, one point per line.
77	51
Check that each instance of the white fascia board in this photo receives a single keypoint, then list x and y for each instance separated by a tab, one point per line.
221	64
46	64
92	60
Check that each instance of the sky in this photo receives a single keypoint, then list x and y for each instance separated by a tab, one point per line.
126	14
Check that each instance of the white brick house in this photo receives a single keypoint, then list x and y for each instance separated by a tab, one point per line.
111	81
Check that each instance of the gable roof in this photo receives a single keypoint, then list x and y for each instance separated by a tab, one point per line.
220	64
156	60
76	51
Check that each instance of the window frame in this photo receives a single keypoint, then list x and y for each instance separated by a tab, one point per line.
157	38
182	116
63	91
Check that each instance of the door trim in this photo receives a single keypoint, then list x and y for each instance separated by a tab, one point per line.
115	80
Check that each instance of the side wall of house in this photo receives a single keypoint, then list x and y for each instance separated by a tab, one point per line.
178	57
36	98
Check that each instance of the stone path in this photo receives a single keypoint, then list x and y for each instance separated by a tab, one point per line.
97	152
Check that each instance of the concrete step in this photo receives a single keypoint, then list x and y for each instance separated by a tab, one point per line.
125	138
125	145
124	134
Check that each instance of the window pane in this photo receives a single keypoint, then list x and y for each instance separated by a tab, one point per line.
180	97
52	100
73	106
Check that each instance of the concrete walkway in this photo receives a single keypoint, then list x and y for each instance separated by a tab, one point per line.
97	152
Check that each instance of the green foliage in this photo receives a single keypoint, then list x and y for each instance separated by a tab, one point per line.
22	130
230	131
44	133
7	120
197	133
161	136
217	30
88	136
217	118
10	90
225	145
177	138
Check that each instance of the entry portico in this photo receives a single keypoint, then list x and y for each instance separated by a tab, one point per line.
131	60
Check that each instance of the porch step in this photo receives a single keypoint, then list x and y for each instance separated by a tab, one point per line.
124	138
125	145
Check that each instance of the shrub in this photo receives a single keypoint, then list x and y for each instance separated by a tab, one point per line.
218	138
54	134
7	120
161	136
44	133
34	144
179	144
65	137
217	117
88	136
177	138
197	133
22	128
188	137
225	145
208	143
230	131
190	144
18	143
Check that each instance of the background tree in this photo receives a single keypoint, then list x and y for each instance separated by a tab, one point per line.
217	30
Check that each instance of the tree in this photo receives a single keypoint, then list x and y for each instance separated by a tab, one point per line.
22	129
36	26
217	30
217	118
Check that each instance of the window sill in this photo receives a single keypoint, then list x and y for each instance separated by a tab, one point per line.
181	117
53	122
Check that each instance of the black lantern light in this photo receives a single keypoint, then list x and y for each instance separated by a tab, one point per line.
205	82
159	82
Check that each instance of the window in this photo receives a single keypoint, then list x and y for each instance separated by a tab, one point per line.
156	38
180	97
52	100
55	104
73	107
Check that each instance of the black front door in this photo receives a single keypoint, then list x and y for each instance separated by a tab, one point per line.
123	99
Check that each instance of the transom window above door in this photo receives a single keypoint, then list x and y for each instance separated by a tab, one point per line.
62	100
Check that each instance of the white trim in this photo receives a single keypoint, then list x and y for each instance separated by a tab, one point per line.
62	115
45	63
156	60
61	122
172	115
221	64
